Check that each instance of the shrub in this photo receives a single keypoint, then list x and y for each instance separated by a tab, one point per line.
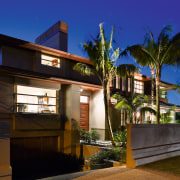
110	154
94	135
89	136
120	138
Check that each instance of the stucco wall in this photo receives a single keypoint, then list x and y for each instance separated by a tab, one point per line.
97	120
5	167
6	94
17	58
150	142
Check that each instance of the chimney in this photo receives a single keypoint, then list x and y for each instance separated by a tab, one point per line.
55	37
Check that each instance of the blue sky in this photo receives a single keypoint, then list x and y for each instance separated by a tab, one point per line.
27	19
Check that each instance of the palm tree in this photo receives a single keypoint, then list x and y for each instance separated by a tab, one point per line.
166	117
157	54
103	58
132	105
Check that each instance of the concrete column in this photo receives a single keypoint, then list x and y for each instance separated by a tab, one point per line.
5	167
72	124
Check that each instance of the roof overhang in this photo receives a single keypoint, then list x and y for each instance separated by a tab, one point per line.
10	41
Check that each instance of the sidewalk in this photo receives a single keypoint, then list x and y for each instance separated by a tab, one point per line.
117	173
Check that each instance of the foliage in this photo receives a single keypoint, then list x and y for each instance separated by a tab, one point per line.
110	154
165	117
89	136
132	105
157	54
178	121
94	135
120	138
103	58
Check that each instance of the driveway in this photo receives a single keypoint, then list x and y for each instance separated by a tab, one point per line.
119	173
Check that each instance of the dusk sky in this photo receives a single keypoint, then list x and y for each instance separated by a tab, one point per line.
27	19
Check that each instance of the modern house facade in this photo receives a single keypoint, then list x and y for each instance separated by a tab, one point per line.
141	84
43	98
46	101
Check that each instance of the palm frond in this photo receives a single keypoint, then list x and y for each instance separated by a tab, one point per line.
84	69
126	69
164	34
140	98
148	109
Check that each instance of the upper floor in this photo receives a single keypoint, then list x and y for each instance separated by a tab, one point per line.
18	56
138	84
48	58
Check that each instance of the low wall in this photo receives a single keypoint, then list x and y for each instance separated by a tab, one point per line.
150	142
5	167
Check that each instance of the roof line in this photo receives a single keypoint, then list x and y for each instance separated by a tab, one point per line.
7	40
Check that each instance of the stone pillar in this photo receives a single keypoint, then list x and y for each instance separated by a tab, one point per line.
5	167
130	162
72	124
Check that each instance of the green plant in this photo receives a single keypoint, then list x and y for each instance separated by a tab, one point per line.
85	136
120	138
103	60
97	158
110	154
132	105
157	54
94	135
89	136
166	117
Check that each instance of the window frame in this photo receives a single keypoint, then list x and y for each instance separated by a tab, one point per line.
16	103
51	61
138	88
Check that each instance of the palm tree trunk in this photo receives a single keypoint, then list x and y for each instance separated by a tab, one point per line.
107	116
158	97
152	92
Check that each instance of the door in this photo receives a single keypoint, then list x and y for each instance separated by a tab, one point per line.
84	112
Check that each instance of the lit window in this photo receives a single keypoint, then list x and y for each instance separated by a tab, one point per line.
84	99
138	87
50	61
163	94
35	100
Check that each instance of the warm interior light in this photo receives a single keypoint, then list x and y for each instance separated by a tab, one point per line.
36	100
50	61
83	99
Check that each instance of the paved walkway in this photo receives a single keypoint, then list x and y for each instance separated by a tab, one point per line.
117	173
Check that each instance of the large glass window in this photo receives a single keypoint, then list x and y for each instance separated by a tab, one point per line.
163	94
138	87
50	61
35	100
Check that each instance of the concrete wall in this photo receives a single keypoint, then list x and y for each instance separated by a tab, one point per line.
72	119
5	167
97	112
17	58
6	94
23	59
150	142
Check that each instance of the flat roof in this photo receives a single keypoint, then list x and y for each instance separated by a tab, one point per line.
11	41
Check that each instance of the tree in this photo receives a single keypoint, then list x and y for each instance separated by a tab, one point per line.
157	54
132	105
166	117
103	58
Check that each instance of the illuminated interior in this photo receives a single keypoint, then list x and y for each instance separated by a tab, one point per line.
84	99
50	61
35	100
138	87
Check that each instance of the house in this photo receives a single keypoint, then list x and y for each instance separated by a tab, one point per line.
141	84
46	101
43	98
